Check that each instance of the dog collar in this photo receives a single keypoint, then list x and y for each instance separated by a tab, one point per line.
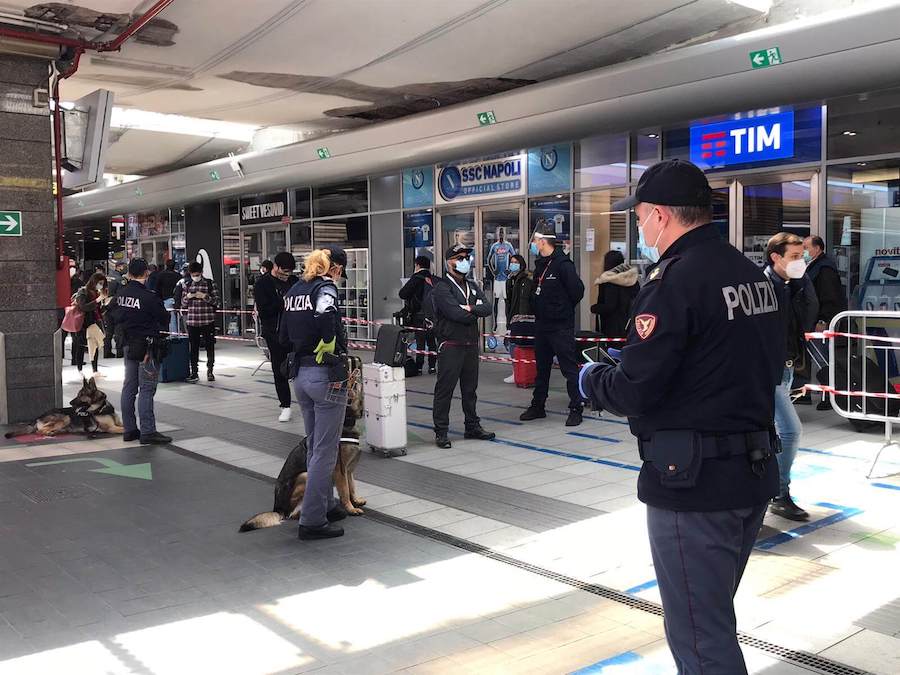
350	440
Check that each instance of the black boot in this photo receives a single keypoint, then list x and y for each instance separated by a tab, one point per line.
155	438
209	376
785	507
326	531
575	418
336	514
441	440
534	412
479	434
193	377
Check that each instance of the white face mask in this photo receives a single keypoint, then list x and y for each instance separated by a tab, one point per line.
196	278
795	269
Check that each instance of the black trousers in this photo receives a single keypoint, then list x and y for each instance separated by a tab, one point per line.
425	339
559	343
207	333
110	331
277	355
456	364
79	350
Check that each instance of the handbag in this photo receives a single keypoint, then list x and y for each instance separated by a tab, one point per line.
73	321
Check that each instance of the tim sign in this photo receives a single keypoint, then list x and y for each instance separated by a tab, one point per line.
757	139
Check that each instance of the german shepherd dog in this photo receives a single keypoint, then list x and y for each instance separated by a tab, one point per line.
89	413
290	485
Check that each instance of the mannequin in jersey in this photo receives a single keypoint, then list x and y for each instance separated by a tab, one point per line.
498	259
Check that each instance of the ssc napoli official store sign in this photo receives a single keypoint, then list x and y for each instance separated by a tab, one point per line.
501	175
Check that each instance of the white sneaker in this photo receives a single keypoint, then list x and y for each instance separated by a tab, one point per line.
285	415
510	380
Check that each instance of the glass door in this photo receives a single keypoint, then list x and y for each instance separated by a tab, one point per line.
500	239
251	258
457	227
767	205
231	290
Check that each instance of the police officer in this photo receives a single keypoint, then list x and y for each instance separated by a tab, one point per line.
703	355
458	304
557	291
141	316
312	325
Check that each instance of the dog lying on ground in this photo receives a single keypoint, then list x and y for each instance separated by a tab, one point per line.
290	485
89	413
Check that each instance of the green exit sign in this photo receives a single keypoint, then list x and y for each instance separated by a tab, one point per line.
486	118
766	57
323	153
10	223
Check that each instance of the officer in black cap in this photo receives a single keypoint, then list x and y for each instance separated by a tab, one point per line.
458	303
311	324
141	316
557	292
697	377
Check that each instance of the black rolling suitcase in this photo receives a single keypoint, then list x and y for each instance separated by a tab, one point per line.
391	346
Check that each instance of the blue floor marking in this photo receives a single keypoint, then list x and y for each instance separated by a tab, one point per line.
886	486
581	434
489	419
621	663
844	512
646	586
803	471
546	451
829	453
518	407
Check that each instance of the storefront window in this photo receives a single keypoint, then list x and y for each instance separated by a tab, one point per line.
598	230
644	151
348	232
553	210
864	124
301	240
770	208
601	161
337	200
863	232
418	238
302	203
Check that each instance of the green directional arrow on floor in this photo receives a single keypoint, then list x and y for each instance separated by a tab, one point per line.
141	471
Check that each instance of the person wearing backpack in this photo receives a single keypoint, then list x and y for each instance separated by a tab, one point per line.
416	294
201	299
617	288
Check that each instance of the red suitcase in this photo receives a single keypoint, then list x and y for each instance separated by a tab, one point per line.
524	373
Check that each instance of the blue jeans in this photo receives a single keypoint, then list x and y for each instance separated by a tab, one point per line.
140	382
323	421
173	315
789	428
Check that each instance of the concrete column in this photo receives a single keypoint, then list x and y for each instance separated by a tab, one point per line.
28	317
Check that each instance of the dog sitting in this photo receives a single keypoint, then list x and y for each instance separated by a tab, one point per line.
290	485
89	413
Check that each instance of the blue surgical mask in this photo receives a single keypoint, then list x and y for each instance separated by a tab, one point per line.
807	257
515	268
651	253
534	249
463	267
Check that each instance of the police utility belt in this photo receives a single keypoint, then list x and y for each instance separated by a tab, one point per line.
678	454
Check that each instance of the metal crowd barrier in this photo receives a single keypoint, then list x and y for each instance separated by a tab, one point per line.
862	349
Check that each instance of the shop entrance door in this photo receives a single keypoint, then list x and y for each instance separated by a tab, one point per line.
495	233
767	204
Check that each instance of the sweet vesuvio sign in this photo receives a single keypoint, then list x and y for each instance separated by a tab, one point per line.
263	208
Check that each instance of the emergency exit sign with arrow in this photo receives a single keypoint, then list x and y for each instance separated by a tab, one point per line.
765	58
10	223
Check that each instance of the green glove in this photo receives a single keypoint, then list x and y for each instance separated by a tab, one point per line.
324	348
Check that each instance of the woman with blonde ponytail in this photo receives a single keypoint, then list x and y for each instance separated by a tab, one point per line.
312	325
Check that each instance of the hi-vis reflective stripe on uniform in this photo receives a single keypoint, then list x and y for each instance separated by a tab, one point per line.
756	298
297	303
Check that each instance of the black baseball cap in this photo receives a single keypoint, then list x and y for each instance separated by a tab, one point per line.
137	267
455	250
673	182
338	256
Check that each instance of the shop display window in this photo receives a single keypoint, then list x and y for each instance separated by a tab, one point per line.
302	203
864	124
644	151
601	161
337	200
863	232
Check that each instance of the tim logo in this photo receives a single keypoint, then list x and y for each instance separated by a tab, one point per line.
757	139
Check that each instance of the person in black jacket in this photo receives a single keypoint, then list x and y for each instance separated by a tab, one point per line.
519	314
696	378
268	296
557	292
823	273
617	288
165	288
458	304
415	293
798	308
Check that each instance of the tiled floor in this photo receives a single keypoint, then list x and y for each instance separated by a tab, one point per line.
108	573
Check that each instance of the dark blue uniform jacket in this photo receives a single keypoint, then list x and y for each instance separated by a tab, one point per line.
705	351
140	311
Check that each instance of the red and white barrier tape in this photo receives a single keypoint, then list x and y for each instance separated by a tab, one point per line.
839	392
829	334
